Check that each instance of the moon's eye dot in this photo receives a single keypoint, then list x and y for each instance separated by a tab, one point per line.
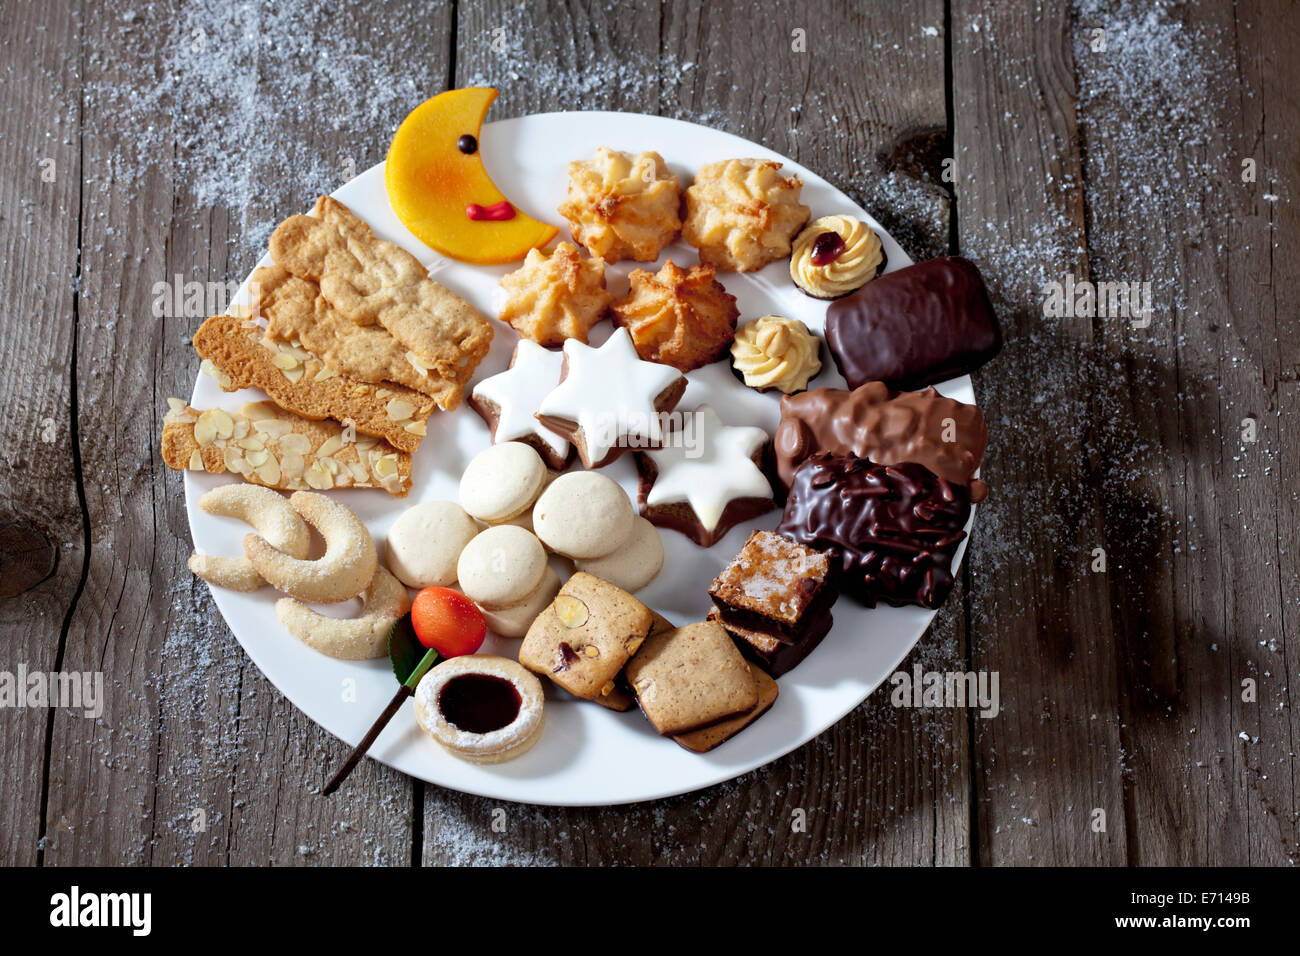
467	144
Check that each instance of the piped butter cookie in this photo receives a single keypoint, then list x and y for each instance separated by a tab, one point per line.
835	255
742	213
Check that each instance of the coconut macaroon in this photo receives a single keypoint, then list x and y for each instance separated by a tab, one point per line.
622	206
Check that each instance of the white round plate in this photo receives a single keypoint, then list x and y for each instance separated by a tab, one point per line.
587	755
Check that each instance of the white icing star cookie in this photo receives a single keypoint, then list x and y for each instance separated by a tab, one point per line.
705	467
610	400
507	401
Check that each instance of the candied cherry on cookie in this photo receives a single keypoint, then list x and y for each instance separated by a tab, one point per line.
448	622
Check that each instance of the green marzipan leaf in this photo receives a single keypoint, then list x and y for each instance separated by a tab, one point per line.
404	649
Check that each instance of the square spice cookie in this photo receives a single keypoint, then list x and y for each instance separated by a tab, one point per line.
775	586
706	738
691	677
586	635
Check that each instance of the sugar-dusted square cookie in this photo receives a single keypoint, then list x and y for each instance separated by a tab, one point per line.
583	639
691	677
705	739
775	586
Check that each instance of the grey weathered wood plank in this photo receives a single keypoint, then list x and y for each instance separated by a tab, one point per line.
199	759
1039	618
883	785
41	527
1204	519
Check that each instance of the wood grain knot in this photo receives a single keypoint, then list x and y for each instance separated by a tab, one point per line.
26	557
920	155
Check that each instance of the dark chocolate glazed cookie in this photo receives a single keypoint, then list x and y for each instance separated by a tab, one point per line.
924	324
891	530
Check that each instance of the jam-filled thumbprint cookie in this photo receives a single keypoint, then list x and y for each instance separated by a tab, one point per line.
481	708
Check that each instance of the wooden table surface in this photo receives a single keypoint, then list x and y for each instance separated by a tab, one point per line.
1146	711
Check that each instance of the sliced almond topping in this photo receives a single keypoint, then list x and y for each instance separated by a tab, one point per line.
293	464
250	443
292	374
415	428
235	460
175	405
325	372
400	410
329	446
273	427
298	444
319	477
196	460
420	364
359	471
258	458
224	424
386	467
205	429
270	471
222	379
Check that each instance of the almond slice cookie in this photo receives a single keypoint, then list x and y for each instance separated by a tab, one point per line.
295	310
373	281
268	446
239	354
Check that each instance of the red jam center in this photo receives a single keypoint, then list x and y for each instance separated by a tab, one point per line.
827	248
479	703
497	212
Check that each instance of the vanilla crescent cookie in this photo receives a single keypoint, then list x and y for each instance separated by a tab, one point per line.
584	515
634	564
344	571
269	514
481	708
350	639
834	256
502	481
776	353
425	543
501	566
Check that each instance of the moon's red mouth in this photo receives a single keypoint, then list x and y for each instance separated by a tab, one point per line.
497	212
